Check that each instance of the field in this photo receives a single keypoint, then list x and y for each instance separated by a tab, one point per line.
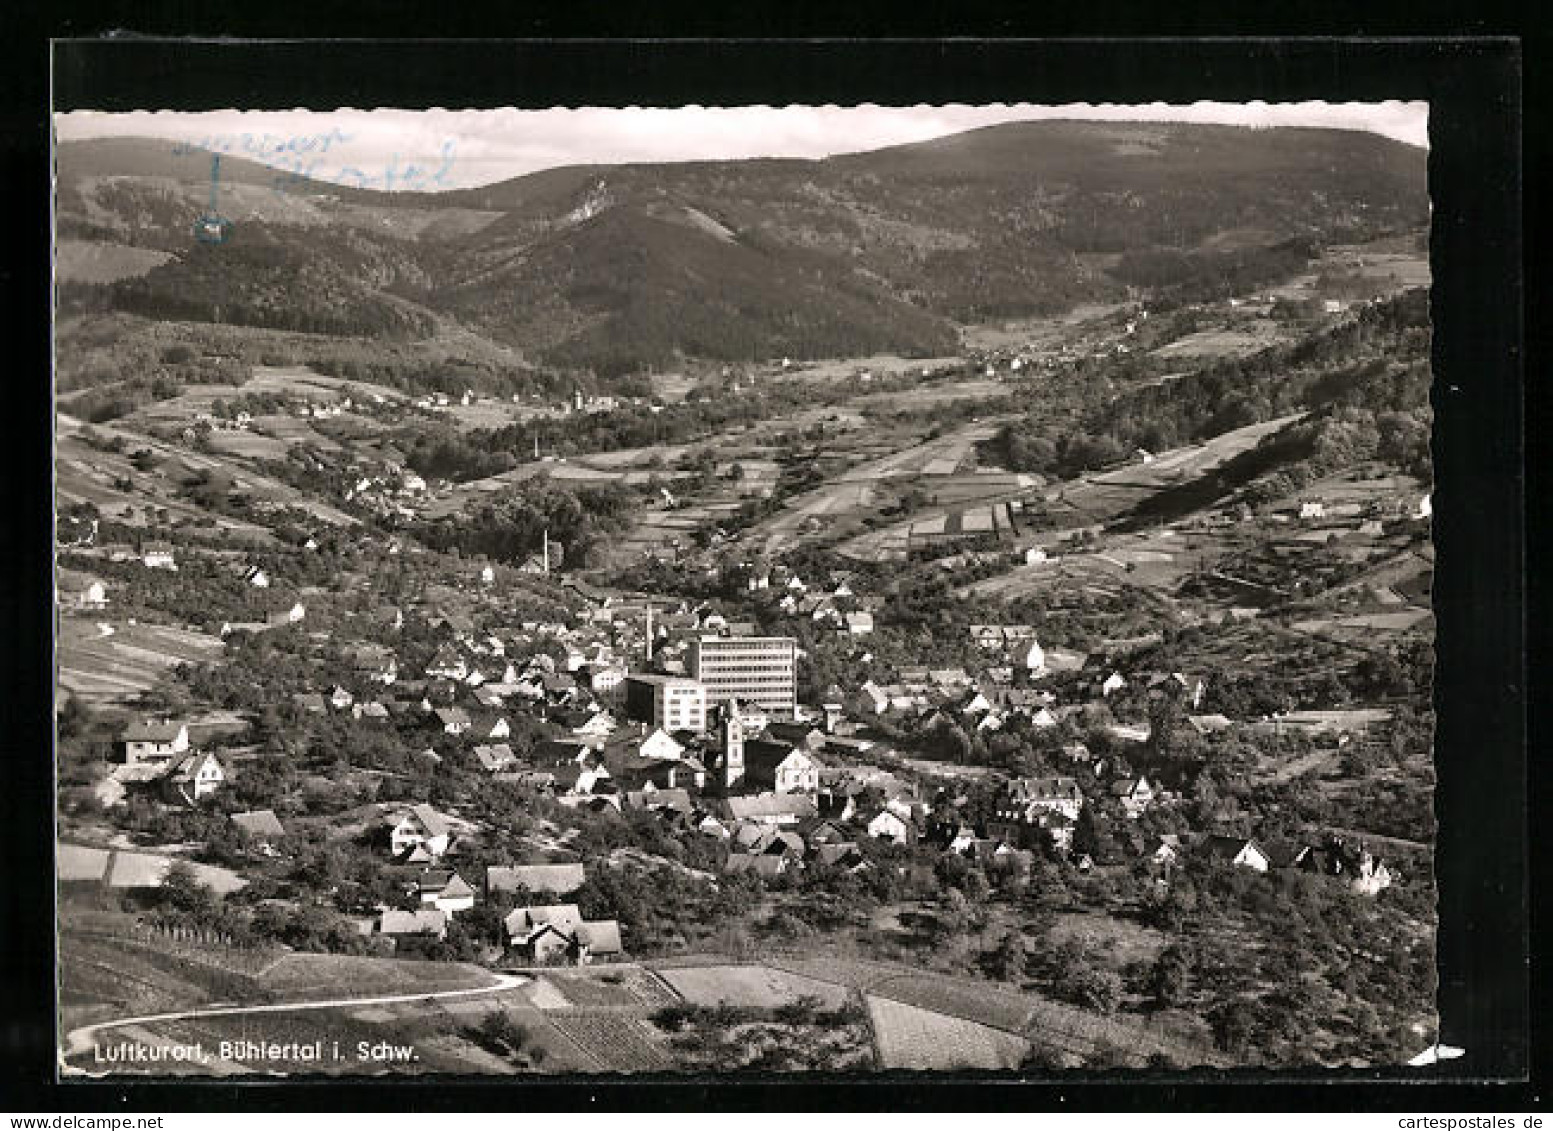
923	1041
1223	342
112	668
299	976
88	261
984	1004
1034	333
88	474
613	1042
837	508
755	986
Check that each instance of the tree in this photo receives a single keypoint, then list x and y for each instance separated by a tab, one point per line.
1169	978
1006	961
1094	988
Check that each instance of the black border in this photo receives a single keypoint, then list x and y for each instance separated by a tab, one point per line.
1474	90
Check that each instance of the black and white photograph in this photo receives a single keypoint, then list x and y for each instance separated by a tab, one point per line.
728	590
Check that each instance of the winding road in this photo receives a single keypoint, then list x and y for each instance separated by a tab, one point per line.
80	1040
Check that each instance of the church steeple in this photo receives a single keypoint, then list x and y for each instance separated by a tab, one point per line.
733	745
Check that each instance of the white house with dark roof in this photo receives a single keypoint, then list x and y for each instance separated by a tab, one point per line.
196	777
1240	852
419	826
557	933
80	591
445	890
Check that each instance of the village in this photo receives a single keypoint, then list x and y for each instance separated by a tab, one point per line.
745	723
1045	684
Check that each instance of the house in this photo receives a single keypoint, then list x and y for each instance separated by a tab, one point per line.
340	699
1113	683
946	678
707	824
886	824
582	779
653	799
598	725
372	710
196	777
419	827
263	826
496	759
860	623
427	921
1165	849
147	741
1032	656
1312	509
761	864
445	890
772	808
1364	873
447	664
453	720
310	702
975	703
549	879
561	752
282	617
659	745
841	854
1135	794
256	577
1240	852
557	933
158	555
989	722
779	767
1024	798
78	591
1209	724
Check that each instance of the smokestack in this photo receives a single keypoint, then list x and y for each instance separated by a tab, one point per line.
547	549
649	632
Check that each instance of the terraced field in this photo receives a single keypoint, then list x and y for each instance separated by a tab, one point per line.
756	986
616	1043
108	668
983	1004
921	1040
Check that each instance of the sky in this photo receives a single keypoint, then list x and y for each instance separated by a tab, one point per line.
446	149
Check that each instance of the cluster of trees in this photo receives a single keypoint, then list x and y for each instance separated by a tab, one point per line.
316	280
1198	275
1378	361
513	526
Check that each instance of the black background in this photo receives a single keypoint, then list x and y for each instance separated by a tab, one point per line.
1484	794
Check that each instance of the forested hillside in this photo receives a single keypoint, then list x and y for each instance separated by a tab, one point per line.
619	269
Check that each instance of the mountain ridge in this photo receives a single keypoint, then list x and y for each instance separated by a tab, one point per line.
617	268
